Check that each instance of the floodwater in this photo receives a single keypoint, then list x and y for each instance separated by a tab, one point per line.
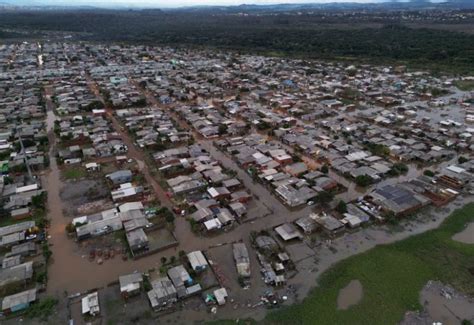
443	304
70	271
466	236
350	295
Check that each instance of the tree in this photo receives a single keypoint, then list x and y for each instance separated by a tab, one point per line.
163	260
462	159
363	180
324	169
324	197
222	129
341	207
398	169
96	104
429	173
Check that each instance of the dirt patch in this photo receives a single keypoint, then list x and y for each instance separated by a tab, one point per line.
466	236
350	295
75	194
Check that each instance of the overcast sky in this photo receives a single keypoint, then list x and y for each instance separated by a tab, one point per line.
175	3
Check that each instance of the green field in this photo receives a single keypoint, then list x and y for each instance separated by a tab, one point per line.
465	85
74	173
392	277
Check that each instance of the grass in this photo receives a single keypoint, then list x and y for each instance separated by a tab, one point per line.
74	173
464	85
392	277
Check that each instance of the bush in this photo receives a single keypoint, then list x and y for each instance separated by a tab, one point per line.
398	169
363	180
324	169
341	207
43	309
324	197
429	173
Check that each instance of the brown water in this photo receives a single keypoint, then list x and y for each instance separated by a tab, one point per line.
466	236
445	305
350	295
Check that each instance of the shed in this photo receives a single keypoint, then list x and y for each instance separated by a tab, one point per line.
18	301
197	260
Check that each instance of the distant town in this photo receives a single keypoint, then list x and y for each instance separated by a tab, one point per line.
143	183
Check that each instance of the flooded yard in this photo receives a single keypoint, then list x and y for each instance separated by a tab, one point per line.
442	305
350	295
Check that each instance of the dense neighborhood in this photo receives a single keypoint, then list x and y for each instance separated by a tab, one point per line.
139	180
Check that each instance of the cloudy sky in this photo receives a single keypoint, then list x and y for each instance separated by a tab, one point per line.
172	3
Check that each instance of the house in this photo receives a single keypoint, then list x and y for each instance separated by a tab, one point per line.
288	231
296	169
180	279
137	240
20	213
238	209
19	301
242	259
218	193
130	284
221	295
306	224
163	293
120	176
398	199
330	225
198	261
90	304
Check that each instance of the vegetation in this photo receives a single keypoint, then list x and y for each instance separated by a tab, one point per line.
462	159
341	207
363	180
392	288
378	149
42	309
324	197
465	85
398	169
429	173
74	173
324	169
368	39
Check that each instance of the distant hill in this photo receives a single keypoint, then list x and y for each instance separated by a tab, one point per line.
395	4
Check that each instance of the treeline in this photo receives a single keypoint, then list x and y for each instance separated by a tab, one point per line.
292	35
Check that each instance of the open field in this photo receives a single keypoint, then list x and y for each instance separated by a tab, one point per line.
392	277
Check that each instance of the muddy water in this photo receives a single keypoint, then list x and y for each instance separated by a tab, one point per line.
311	267
466	236
69	270
350	295
445	305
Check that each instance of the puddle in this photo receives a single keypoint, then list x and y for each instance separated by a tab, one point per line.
466	236
350	295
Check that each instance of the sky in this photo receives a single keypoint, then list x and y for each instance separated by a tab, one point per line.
172	3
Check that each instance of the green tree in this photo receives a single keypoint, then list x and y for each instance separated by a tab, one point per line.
341	207
363	180
324	197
